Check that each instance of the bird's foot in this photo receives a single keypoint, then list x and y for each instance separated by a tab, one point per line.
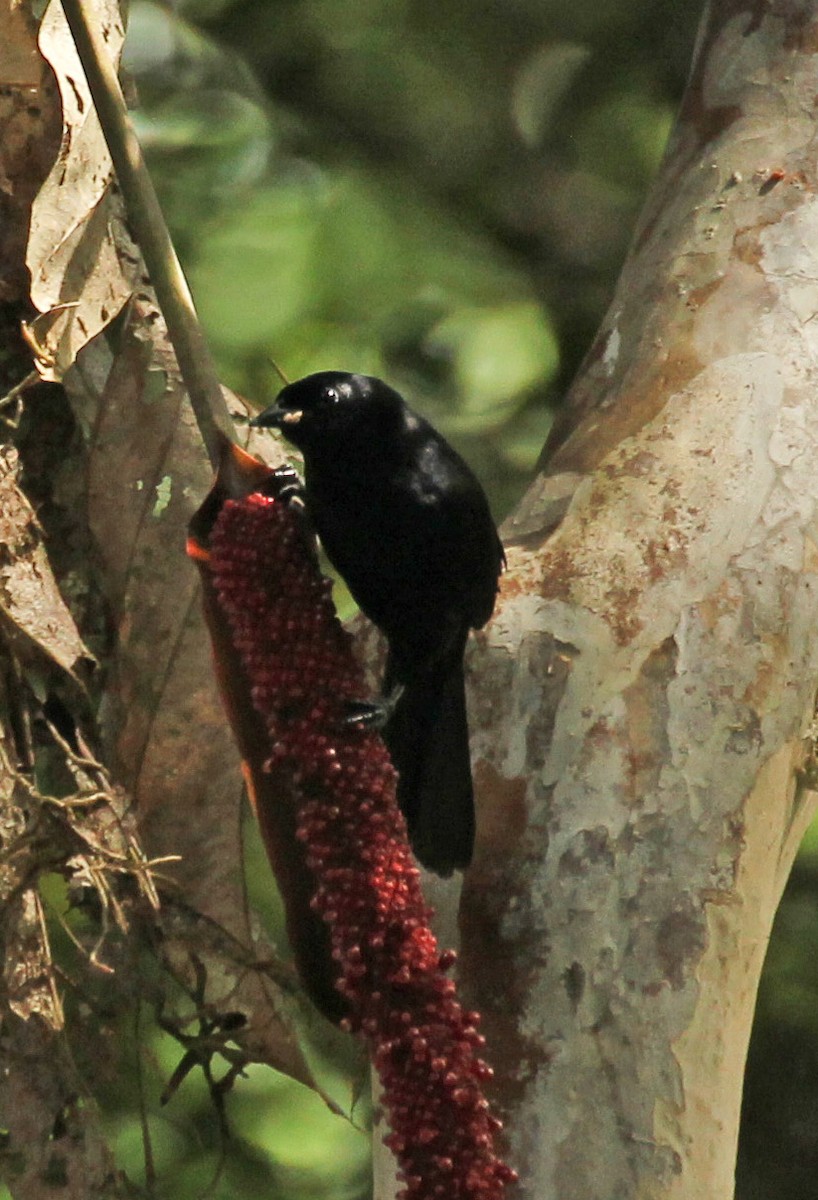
365	714
372	714
287	486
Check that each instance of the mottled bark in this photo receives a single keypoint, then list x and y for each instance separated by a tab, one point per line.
643	716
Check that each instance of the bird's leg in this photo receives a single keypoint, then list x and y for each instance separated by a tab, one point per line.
373	714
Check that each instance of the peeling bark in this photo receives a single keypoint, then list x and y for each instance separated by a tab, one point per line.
65	1153
647	687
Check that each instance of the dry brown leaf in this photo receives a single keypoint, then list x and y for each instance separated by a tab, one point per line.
34	615
29	137
145	473
167	740
27	970
29	973
81	259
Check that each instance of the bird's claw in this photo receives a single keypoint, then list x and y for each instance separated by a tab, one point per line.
373	714
288	486
366	714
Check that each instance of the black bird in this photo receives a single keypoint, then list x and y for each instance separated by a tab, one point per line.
406	524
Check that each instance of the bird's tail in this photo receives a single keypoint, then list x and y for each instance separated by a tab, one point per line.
428	739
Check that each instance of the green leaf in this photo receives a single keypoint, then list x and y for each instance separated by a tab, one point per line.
253	275
498	355
541	85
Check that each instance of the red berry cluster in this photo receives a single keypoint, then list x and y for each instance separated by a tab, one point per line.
300	667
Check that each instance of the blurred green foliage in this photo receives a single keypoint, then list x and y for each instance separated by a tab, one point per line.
778	1151
441	194
280	1135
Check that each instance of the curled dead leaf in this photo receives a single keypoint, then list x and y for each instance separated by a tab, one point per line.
84	265
33	614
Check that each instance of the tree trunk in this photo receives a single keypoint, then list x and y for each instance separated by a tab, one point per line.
644	697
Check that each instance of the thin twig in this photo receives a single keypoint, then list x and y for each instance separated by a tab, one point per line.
15	398
148	225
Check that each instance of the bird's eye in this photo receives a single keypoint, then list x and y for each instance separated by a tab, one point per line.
332	395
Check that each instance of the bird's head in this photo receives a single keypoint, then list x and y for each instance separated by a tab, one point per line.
330	407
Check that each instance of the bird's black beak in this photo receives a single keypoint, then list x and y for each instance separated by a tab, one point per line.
275	417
